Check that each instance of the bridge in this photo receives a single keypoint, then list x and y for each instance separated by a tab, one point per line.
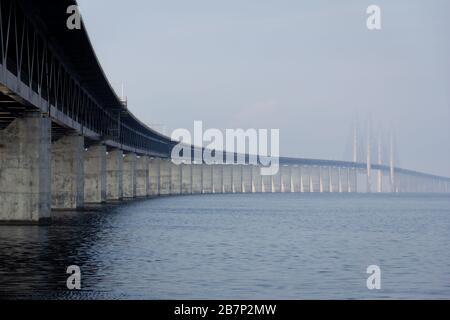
67	140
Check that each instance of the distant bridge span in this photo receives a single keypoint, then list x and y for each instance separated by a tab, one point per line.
66	138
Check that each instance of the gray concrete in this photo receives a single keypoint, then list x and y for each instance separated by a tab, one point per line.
217	178
315	179
247	179
114	175
306	178
295	179
175	179
197	179
165	177
129	175
352	180
266	184
95	180
154	170
227	178
25	166
207	178
237	178
285	184
276	181
68	172
257	180
142	177
186	179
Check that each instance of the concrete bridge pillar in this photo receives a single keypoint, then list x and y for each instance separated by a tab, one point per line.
302	179
285	176
142	176
68	172
308	179
277	181
95	174
114	175
352	180
154	170
175	179
379	181
295	179
129	175
227	178
256	179
186	178
25	166
340	182
165	177
247	179
217	178
266	184
329	180
207	178
197	179
321	182
315	175
237	178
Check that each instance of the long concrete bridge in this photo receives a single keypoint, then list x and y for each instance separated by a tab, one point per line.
67	140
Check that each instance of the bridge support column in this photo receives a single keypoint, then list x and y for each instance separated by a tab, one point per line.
227	178
379	181
331	180
321	186
25	166
95	174
217	178
207	178
142	177
257	179
129	176
266	184
165	177
68	172
114	175
340	185
154	170
247	179
186	178
197	179
311	179
352	180
237	178
302	179
175	179
285	185
277	181
295	179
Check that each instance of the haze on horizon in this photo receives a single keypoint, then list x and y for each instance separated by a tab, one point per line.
309	68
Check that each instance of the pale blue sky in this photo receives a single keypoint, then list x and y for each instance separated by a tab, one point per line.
305	67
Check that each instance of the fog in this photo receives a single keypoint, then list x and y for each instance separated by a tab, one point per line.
309	68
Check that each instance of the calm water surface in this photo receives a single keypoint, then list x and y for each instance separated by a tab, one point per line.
256	246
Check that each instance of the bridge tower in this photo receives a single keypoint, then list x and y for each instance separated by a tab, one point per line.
369	162
391	164
380	162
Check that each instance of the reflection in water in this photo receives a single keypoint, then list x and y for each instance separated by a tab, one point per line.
253	246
